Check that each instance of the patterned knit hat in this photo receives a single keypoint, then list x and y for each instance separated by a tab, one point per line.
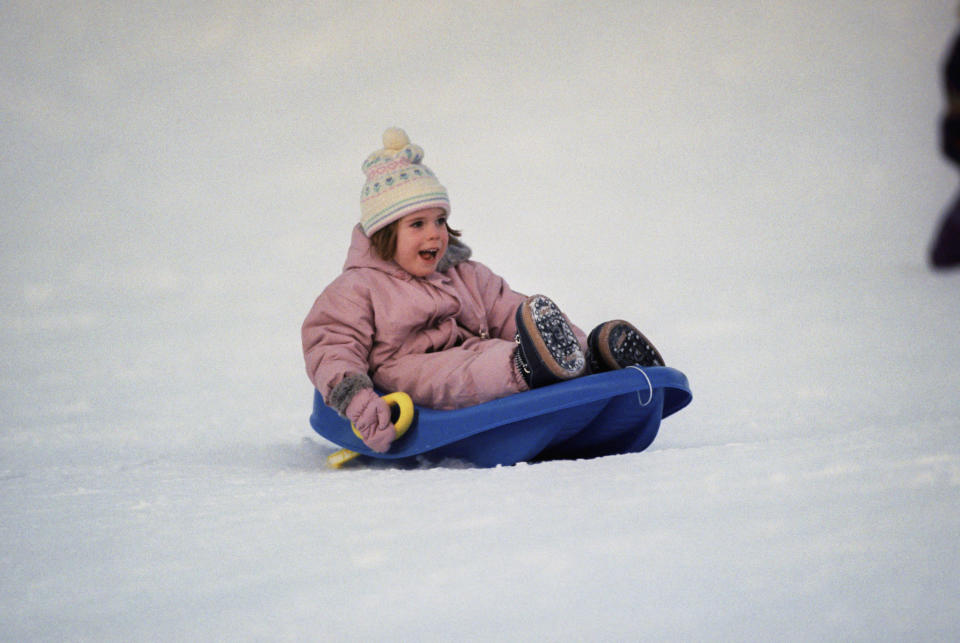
397	183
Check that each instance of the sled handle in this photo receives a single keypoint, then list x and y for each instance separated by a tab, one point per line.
404	405
403	402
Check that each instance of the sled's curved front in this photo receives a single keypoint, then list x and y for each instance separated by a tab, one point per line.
602	414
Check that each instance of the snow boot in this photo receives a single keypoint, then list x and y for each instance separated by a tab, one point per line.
548	350
617	344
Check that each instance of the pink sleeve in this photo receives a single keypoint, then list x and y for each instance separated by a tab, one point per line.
337	336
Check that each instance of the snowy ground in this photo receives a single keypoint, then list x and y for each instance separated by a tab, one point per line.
754	186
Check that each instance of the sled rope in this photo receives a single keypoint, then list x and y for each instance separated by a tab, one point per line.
649	386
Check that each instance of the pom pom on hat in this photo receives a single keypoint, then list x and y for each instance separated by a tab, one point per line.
397	183
395	139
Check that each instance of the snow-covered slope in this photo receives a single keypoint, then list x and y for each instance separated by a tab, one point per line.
753	186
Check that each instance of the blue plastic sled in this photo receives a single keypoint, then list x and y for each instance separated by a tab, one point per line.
597	415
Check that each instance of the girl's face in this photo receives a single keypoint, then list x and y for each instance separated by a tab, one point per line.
422	241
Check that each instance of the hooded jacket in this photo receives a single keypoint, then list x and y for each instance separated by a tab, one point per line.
446	339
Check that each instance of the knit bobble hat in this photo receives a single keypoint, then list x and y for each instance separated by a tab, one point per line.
397	183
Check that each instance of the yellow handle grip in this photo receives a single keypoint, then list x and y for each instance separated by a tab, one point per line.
405	405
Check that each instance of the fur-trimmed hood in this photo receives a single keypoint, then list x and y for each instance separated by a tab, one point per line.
457	252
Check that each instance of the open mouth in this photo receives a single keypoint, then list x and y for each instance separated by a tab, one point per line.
429	255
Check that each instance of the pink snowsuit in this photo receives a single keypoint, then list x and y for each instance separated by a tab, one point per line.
446	339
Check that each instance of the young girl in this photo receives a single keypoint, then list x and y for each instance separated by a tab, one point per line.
412	312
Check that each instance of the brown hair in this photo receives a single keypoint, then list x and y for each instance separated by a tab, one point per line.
383	242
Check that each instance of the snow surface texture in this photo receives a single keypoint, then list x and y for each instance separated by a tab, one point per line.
754	185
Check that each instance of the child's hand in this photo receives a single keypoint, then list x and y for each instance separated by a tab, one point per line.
371	416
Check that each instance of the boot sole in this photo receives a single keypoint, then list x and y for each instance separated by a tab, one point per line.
620	345
553	339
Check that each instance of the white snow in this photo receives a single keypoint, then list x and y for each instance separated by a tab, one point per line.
753	184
